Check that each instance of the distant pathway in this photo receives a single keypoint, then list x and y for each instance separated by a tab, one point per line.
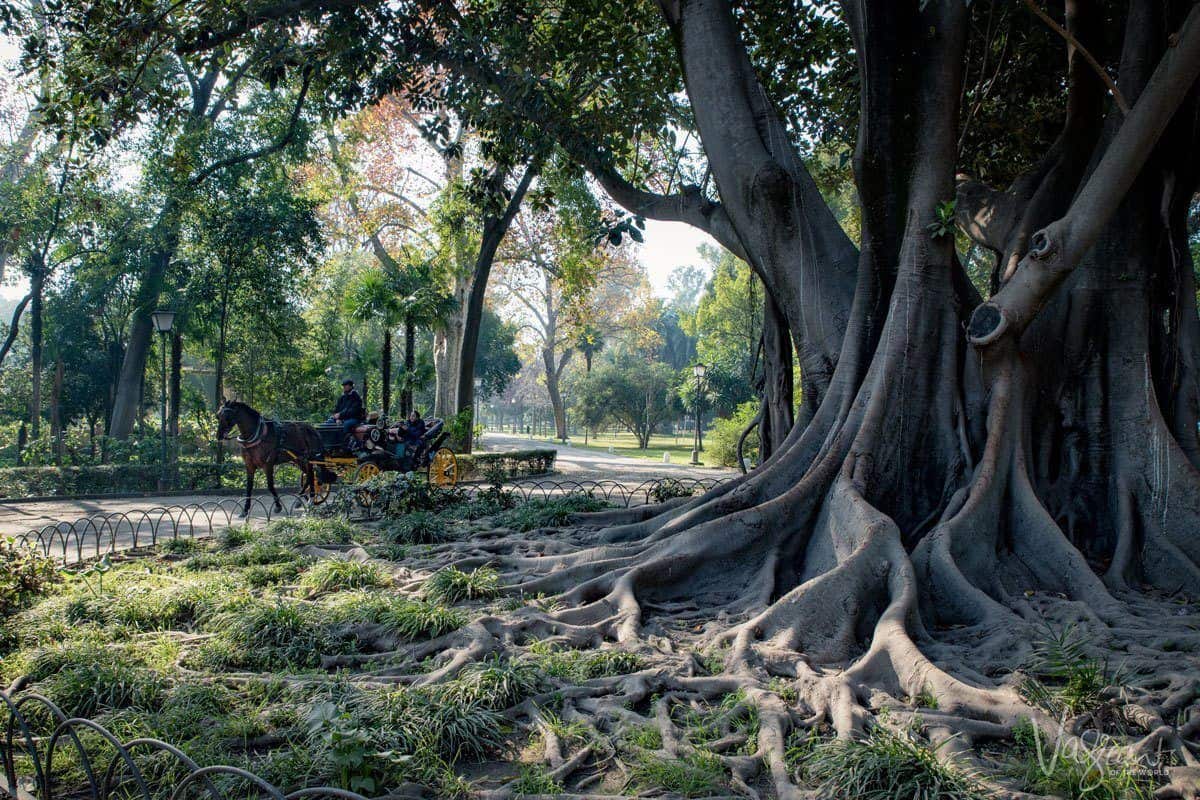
581	462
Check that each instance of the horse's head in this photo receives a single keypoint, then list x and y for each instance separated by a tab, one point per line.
227	419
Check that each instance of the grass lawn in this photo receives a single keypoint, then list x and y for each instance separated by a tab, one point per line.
625	444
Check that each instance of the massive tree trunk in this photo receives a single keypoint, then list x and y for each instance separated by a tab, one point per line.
175	383
1031	474
385	385
406	394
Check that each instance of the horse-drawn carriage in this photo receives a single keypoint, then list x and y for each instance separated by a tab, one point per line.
326	455
374	447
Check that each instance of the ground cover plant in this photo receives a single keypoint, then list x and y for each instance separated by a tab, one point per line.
290	651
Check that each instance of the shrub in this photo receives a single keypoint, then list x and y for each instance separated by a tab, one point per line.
111	478
886	765
721	444
669	489
419	527
25	575
506	466
336	575
550	513
535	780
1065	679
451	585
180	546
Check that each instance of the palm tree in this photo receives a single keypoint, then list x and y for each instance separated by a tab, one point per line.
395	294
373	296
421	305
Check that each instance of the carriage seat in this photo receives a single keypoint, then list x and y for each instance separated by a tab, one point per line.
332	434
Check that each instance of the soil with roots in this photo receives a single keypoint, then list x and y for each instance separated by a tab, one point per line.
841	651
744	677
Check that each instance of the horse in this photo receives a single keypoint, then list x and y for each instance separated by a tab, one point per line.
266	443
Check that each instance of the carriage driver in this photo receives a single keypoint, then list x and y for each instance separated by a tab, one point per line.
349	408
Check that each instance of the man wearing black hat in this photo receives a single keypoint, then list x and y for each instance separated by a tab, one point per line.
349	408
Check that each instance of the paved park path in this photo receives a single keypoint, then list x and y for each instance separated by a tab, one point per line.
572	462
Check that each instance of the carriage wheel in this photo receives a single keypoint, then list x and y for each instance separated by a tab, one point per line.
443	468
320	489
364	473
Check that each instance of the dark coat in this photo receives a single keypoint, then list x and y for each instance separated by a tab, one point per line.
349	406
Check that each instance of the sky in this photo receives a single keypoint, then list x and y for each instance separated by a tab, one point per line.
669	245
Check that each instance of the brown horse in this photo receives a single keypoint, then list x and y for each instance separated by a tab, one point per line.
267	442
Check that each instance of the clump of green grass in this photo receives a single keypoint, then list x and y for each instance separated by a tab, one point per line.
578	666
336	575
87	678
535	779
644	737
310	531
419	527
695	775
1074	772
410	619
452	585
733	714
497	683
237	536
437	720
885	765
269	635
548	513
180	546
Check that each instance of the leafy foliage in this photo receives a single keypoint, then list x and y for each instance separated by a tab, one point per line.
24	576
451	585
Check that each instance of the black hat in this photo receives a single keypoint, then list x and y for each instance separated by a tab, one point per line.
347	382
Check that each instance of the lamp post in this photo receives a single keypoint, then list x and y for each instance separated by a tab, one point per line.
699	371
163	321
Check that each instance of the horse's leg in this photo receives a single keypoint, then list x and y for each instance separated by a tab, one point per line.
249	489
271	485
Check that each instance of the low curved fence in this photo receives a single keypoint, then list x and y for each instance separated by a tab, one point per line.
38	736
93	536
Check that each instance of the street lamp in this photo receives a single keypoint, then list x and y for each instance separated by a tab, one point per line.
699	371
163	321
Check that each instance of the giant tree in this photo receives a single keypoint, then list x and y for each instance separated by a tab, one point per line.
963	469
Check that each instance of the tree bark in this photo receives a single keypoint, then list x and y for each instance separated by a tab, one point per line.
137	348
777	419
175	383
37	282
385	386
494	230
406	395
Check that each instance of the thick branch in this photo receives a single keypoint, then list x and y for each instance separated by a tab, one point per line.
1101	73
266	150
14	327
1056	249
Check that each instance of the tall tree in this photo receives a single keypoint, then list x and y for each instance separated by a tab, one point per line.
1044	461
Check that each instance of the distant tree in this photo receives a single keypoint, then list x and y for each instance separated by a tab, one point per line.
635	395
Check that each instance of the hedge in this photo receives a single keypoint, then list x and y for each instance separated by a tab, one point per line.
195	476
112	478
514	464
